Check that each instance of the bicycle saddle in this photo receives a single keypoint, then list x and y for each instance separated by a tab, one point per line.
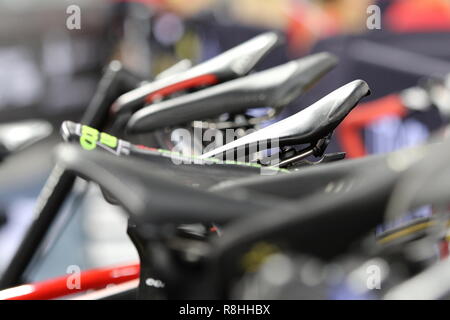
306	126
341	216
186	169
301	183
275	87
147	195
231	64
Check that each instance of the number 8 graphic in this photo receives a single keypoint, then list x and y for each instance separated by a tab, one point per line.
89	138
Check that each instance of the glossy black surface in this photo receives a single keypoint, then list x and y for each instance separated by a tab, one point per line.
308	125
147	194
275	87
231	64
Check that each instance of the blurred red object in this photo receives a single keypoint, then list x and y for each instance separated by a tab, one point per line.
58	287
418	15
306	24
349	132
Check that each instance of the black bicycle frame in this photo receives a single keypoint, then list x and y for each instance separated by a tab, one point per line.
115	81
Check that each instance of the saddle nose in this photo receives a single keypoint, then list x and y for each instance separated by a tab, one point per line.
306	126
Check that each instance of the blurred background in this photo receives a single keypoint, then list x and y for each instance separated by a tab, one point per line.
49	72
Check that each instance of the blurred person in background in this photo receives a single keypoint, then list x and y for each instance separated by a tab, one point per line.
304	21
198	30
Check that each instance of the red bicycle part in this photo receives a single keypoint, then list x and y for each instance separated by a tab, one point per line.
108	292
203	80
60	287
348	133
